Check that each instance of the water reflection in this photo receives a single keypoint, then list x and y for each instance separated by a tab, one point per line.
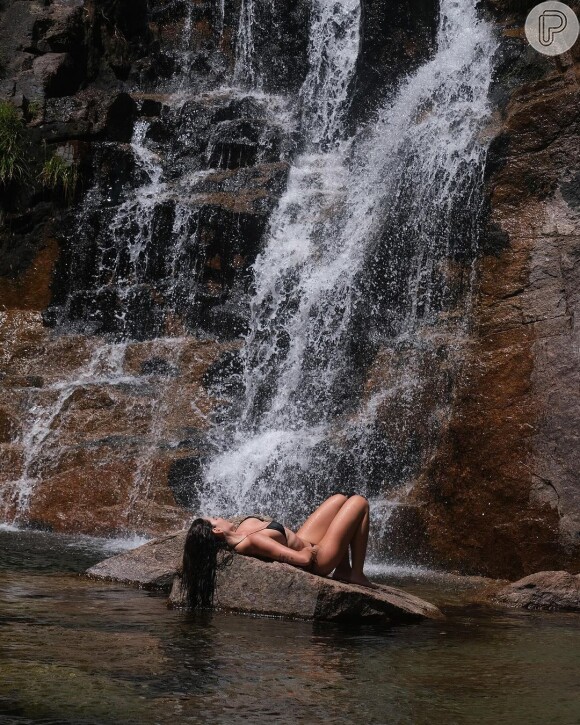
77	651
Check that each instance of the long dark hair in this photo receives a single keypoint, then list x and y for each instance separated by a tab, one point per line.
201	561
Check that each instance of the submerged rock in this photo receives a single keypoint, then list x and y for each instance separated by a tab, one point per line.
551	590
267	588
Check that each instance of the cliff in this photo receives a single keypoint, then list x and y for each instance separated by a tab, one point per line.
501	495
113	360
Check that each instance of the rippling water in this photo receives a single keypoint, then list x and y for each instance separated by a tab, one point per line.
77	651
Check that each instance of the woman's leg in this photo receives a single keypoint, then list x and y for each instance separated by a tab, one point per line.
350	527
358	550
316	525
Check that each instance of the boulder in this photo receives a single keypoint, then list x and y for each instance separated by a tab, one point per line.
151	566
265	588
551	590
56	74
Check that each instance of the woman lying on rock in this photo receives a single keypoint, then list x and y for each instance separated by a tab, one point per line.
320	546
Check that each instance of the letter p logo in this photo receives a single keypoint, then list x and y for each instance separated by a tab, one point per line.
550	23
552	27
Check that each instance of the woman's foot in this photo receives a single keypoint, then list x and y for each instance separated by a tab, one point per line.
342	574
349	577
362	581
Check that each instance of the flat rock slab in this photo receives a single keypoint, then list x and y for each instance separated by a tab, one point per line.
550	590
264	587
151	566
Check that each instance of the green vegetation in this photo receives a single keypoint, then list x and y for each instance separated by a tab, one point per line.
57	173
13	164
34	109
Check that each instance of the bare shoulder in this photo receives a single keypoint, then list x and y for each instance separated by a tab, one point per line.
244	546
248	523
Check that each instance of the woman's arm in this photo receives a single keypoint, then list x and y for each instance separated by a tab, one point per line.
260	545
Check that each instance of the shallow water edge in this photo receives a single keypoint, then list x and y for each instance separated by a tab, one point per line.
78	651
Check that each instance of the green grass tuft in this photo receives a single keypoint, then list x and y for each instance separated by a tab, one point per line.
34	110
57	173
13	164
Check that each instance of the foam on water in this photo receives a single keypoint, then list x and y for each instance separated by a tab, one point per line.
384	569
9	528
112	545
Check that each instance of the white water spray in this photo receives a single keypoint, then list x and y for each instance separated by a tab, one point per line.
393	195
245	73
105	366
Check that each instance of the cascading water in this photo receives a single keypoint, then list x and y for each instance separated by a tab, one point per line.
105	364
354	326
333	50
129	278
357	261
245	73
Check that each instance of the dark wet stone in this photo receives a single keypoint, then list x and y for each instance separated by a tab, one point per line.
494	240
120	118
225	374
158	366
265	588
571	191
550	590
184	480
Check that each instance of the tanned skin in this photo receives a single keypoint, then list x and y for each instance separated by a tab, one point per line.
321	544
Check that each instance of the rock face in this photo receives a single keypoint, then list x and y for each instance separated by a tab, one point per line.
270	588
100	435
97	435
550	590
266	588
113	355
501	496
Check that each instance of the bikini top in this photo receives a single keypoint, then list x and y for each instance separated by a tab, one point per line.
273	525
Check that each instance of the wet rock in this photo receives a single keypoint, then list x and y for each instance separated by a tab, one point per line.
500	496
111	458
153	565
120	116
56	74
21	381
266	588
269	588
395	38
184	480
21	240
280	39
62	27
91	492
550	590
241	142
52	74
8	427
571	192
225	375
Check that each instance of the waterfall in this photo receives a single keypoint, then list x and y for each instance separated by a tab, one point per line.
129	275
245	73
104	365
356	316
332	54
356	258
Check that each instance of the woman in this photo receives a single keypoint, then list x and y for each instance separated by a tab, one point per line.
321	545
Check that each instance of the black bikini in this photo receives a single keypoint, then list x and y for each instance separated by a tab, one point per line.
273	525
276	526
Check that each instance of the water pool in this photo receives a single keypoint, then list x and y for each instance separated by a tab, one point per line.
78	651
